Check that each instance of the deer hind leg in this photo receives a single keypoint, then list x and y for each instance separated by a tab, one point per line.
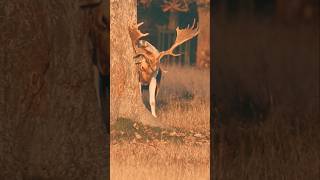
158	78
157	90
152	95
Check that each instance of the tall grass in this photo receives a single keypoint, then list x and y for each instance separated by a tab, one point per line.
184	98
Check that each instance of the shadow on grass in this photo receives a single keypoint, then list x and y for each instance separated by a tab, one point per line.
127	130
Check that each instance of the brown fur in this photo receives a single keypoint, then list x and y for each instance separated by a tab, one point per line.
147	66
145	70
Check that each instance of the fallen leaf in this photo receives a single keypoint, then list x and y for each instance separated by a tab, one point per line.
138	136
173	133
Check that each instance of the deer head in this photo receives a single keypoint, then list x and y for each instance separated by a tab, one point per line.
152	57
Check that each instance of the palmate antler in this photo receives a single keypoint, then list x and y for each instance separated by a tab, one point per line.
183	35
136	35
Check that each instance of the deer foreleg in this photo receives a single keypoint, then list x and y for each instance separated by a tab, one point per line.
152	95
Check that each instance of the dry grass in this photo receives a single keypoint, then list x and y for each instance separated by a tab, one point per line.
159	161
279	148
267	78
184	98
183	103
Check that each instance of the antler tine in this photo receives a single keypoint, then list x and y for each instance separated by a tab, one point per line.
194	22
138	25
135	35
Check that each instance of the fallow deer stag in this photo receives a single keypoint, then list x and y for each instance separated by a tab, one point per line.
148	58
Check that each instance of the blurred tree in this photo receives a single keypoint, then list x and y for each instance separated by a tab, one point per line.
51	124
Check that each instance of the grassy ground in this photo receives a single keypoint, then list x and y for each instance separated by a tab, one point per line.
267	76
181	152
279	148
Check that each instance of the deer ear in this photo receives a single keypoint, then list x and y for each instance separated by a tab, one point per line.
138	58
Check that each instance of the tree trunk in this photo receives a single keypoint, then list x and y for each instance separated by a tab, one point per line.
51	125
203	49
126	101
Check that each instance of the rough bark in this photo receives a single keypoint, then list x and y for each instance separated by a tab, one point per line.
125	101
51	125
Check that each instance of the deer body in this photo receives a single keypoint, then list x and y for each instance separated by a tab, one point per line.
149	74
148	58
